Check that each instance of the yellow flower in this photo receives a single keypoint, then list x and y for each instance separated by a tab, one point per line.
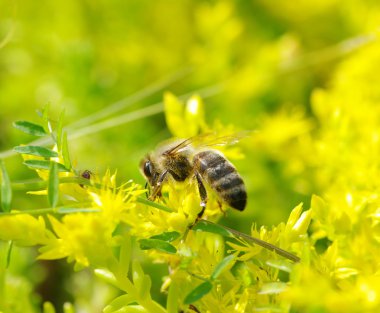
88	238
25	230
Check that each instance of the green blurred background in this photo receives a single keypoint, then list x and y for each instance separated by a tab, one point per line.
258	57
250	59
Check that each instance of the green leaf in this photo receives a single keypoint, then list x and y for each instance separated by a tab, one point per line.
125	255
167	236
272	288
107	276
67	210
30	128
222	265
44	165
60	130
6	189
173	296
65	151
9	253
44	115
154	204
53	186
118	303
68	308
211	228
197	293
272	309
36	150
48	307
137	274
146	244
282	265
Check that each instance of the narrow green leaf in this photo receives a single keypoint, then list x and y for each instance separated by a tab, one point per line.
137	274
48	307
44	165
53	186
66	210
282	265
154	204
9	253
135	308
125	255
30	128
68	308
44	114
60	130
167	236
222	265
275	309
145	286
272	288
36	150
173	296
65	151
146	244
6	189
211	228
197	293
118	303
107	276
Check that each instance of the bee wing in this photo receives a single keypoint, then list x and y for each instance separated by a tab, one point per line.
208	140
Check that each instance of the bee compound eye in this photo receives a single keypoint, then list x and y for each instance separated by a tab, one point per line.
148	169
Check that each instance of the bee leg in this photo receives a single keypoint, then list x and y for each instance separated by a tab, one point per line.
147	187
221	208
202	193
157	188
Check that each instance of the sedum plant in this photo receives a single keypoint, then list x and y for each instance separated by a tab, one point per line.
330	260
93	222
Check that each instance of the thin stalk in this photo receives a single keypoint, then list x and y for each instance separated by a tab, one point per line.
260	243
57	210
40	184
154	204
132	99
308	60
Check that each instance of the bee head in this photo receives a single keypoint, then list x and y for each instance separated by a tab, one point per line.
148	170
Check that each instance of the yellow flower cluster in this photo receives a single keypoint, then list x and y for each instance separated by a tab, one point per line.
337	157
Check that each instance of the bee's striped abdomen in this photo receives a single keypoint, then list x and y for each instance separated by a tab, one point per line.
222	176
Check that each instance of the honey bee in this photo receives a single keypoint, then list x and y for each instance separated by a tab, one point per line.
193	158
